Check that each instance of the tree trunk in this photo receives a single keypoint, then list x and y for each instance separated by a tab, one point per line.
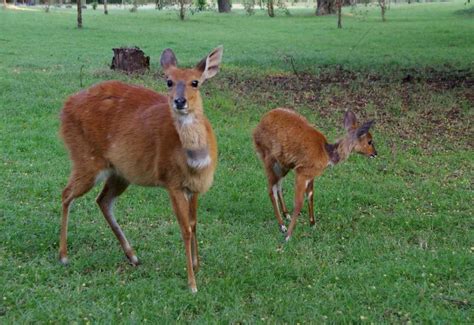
182	9
325	7
79	14
382	8
130	60
4	3
105	8
223	5
270	8
339	9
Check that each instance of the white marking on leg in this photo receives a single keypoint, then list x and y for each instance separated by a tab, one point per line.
64	260
275	196
194	290
103	175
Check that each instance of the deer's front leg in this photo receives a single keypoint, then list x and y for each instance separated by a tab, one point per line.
181	208
193	206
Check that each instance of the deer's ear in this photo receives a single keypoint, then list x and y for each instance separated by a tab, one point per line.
350	121
209	66
364	129
168	59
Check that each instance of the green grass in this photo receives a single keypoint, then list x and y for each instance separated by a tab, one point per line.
393	242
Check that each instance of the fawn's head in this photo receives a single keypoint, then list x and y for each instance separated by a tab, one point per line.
360	137
184	84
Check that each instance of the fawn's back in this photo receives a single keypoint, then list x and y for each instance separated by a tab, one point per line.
288	138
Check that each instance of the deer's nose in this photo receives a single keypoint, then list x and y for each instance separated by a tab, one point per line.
180	103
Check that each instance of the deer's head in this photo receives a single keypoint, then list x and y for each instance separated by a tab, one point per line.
184	84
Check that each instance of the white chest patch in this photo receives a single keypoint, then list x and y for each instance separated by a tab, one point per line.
198	158
198	163
186	119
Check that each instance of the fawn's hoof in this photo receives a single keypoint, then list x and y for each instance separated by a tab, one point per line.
283	229
133	260
64	260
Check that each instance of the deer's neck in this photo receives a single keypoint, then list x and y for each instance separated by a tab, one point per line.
193	135
339	151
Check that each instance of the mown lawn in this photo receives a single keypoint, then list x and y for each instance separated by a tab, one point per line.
394	237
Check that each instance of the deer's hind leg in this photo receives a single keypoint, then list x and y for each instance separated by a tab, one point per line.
115	186
80	182
275	177
309	195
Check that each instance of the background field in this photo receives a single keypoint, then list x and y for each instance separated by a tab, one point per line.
394	238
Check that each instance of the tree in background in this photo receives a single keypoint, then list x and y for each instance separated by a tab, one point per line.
223	5
270	8
4	4
339	9
383	7
325	7
79	14
182	9
105	8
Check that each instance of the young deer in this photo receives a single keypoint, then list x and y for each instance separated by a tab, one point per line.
132	135
285	140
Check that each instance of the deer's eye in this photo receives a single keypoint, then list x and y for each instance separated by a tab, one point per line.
169	83
370	142
194	83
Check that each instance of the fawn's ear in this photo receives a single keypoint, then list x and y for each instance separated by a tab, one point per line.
364	129
350	121
209	66
168	59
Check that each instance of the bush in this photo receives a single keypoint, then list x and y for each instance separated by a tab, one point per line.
249	6
200	5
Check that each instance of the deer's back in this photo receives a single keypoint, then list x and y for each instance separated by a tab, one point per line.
128	129
290	139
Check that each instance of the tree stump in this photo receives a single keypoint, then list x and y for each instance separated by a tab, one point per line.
130	60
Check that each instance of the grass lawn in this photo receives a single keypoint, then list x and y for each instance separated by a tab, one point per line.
394	236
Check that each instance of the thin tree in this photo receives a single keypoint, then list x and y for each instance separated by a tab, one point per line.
339	9
182	9
4	4
383	7
105	8
79	14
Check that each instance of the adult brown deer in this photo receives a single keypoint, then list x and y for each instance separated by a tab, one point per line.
285	140
132	135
